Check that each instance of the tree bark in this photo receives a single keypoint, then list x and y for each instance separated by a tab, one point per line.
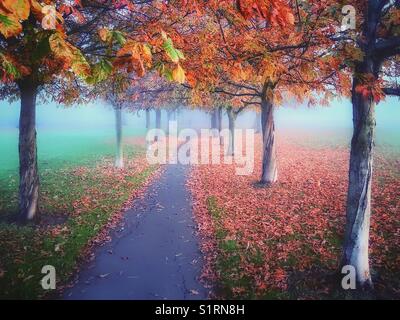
158	121
147	119
158	118
358	212
219	125
213	119
119	160
28	167
231	117
269	167
257	122
169	113
219	119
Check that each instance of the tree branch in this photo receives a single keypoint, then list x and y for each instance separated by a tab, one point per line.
388	48
392	91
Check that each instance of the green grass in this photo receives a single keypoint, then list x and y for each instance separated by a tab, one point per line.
25	250
79	186
57	149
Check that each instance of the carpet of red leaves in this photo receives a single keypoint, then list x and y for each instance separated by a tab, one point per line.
298	223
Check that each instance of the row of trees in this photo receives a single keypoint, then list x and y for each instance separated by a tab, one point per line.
240	54
67	51
302	51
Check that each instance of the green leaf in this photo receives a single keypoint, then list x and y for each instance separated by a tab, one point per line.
180	54
18	8
100	72
174	54
169	49
168	75
9	26
119	37
8	67
164	72
79	64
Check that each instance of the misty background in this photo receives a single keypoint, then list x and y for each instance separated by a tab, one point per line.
100	116
85	129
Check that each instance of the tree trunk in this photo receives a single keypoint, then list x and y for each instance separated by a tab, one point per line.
257	123
269	168
147	119
358	213
231	117
119	160
28	168
158	118
212	120
158	121
169	112
219	124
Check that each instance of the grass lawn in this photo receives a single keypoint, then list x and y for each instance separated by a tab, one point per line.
80	192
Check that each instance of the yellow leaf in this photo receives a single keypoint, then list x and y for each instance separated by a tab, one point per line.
146	52
18	8
9	25
64	50
134	57
36	8
59	46
178	74
104	34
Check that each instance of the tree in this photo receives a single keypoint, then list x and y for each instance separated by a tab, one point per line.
114	92
37	46
378	41
57	48
257	122
147	113
259	52
232	116
119	160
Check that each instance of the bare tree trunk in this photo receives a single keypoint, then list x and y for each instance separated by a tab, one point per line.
158	118
169	113
119	160
269	168
219	119
28	168
158	121
214	122
212	119
219	124
147	119
358	213
231	117
257	122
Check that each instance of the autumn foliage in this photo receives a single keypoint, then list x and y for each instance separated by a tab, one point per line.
294	229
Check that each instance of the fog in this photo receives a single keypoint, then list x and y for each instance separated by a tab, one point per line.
98	117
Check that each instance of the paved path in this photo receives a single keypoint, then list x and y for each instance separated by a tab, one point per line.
155	255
